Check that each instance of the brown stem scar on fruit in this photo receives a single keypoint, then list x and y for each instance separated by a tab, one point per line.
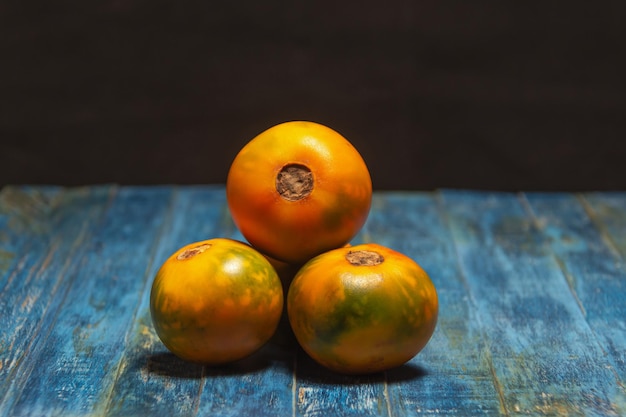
191	252
364	258
294	182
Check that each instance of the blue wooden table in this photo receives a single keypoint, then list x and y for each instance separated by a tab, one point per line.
532	292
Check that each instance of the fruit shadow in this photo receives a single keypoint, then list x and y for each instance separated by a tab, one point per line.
282	351
292	359
166	364
278	352
310	372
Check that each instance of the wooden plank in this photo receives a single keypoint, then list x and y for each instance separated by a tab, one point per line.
595	273
152	381
162	367
531	318
259	385
71	368
321	392
545	357
281	380
608	211
48	238
25	220
453	374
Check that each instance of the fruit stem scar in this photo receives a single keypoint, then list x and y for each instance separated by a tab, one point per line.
294	182
364	258
191	252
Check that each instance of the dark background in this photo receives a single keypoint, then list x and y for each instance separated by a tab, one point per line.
502	95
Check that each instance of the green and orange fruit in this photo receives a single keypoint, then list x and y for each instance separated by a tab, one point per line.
216	301
298	189
362	309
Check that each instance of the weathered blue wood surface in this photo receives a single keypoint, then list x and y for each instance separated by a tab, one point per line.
532	294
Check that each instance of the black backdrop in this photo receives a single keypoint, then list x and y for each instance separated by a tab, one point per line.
505	95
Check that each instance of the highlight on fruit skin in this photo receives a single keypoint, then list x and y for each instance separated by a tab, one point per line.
215	301
362	309
298	189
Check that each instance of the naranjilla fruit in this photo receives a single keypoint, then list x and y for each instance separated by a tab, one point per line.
216	301
362	309
297	190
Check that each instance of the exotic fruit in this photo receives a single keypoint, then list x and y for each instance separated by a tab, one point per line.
362	309
297	190
216	301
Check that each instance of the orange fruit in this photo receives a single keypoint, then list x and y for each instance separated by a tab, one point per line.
362	309
216	301
298	189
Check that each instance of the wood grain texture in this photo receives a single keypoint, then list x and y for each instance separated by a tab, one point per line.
24	221
57	235
545	356
608	212
144	383
531	290
595	273
259	385
452	375
70	373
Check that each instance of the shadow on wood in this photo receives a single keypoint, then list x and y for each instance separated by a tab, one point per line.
406	372
310	372
169	365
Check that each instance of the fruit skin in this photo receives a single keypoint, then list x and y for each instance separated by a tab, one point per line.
329	217
218	305
362	319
